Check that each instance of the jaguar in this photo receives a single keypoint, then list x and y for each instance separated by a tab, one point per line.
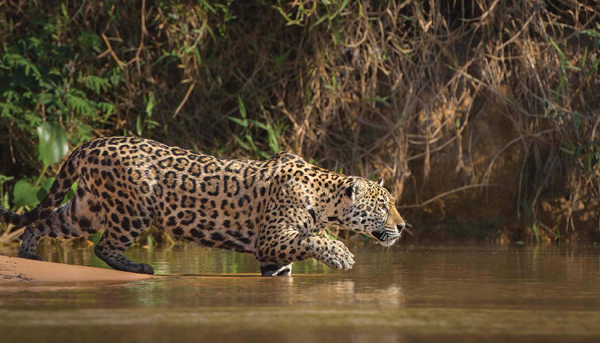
274	209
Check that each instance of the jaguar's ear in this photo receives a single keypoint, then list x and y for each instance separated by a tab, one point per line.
356	190
381	182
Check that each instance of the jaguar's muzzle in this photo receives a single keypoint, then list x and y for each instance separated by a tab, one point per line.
386	236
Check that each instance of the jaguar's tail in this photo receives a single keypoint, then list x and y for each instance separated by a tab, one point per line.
62	184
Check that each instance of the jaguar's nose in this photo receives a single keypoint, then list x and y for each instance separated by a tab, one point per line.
405	227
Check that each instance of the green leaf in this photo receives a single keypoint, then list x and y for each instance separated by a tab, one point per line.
25	193
281	58
80	104
323	18
53	143
242	123
285	15
90	41
150	104
527	207
107	108
259	124
95	238
47	184
71	192
570	152
150	240
4	178
242	144
44	188
569	147
593	70
273	142
251	142
138	125
535	232
242	107
96	84
344	4
591	33
557	48
340	9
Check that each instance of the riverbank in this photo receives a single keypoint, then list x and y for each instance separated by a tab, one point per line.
15	269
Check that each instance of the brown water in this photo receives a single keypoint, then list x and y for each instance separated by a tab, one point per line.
403	294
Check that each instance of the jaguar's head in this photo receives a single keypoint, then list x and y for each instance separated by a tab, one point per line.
370	209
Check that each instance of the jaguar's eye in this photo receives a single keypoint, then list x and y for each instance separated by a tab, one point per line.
383	210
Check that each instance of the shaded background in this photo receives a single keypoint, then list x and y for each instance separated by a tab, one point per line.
481	115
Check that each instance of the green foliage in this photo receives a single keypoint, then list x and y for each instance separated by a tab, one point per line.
249	126
146	123
52	144
90	41
26	194
587	155
96	84
42	78
329	11
4	195
534	229
593	33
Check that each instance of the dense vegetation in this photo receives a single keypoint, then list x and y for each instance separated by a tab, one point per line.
481	115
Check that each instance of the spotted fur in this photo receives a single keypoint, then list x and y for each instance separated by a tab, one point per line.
272	209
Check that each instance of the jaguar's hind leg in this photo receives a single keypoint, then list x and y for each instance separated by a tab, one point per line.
30	242
119	235
81	216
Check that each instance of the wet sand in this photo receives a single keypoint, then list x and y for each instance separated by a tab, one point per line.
23	271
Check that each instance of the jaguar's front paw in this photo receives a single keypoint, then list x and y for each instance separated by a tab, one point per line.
270	269
337	256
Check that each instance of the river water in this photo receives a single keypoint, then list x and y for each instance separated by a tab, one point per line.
402	294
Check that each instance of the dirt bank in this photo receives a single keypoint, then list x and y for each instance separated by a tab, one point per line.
14	269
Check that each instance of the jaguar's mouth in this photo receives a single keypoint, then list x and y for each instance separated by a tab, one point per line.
386	236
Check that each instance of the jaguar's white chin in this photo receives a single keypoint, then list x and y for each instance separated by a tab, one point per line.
388	243
386	237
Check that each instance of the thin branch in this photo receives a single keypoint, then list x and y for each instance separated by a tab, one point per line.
439	196
187	95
